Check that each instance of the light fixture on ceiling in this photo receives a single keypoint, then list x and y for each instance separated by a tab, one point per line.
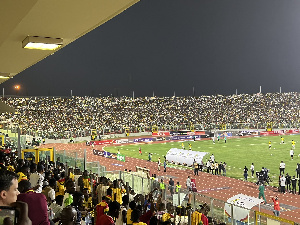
4	75
42	43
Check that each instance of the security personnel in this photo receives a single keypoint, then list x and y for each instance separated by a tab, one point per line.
195	166
178	187
162	187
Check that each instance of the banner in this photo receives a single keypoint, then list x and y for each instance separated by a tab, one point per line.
121	157
161	133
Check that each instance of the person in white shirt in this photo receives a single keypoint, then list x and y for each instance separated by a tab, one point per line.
188	183
281	167
252	169
292	154
282	184
158	164
212	158
37	178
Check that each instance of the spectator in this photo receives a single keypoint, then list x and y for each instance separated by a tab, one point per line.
114	209
37	204
8	187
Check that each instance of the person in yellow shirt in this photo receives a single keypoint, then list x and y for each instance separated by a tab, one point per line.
86	180
182	145
117	192
24	173
270	144
132	206
71	174
196	218
293	144
282	140
135	215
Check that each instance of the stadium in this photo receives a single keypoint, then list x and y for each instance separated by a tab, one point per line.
208	159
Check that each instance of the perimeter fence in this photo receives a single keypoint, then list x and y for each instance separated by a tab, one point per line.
221	211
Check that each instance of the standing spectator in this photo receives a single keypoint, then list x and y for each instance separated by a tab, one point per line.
195	166
294	183
68	216
114	209
216	168
282	184
212	158
276	206
149	157
252	169
224	168
292	154
281	167
162	187
298	170
158	164
165	165
200	166
70	190
208	165
288	182
8	187
261	189
123	211
188	183
49	191
37	203
245	173
37	178
220	168
171	186
101	208
178	187
56	207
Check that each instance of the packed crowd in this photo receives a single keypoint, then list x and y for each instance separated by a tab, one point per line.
78	114
52	193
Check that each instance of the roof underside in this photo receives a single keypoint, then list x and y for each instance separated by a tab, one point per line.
68	19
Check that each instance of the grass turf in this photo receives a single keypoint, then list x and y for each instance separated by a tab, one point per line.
237	153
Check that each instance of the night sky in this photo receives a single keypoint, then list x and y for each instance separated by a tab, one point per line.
215	46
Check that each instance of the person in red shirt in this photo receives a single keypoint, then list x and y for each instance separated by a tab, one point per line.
102	208
204	210
114	210
276	206
37	204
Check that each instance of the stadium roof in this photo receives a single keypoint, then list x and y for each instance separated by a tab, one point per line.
67	19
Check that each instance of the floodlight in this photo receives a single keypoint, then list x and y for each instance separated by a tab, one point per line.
42	43
4	75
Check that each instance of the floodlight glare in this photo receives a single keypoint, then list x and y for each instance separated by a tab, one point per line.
42	43
4	75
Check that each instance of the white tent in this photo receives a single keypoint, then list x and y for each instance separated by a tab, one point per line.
241	206
184	156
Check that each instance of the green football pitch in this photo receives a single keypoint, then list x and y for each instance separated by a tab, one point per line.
237	153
